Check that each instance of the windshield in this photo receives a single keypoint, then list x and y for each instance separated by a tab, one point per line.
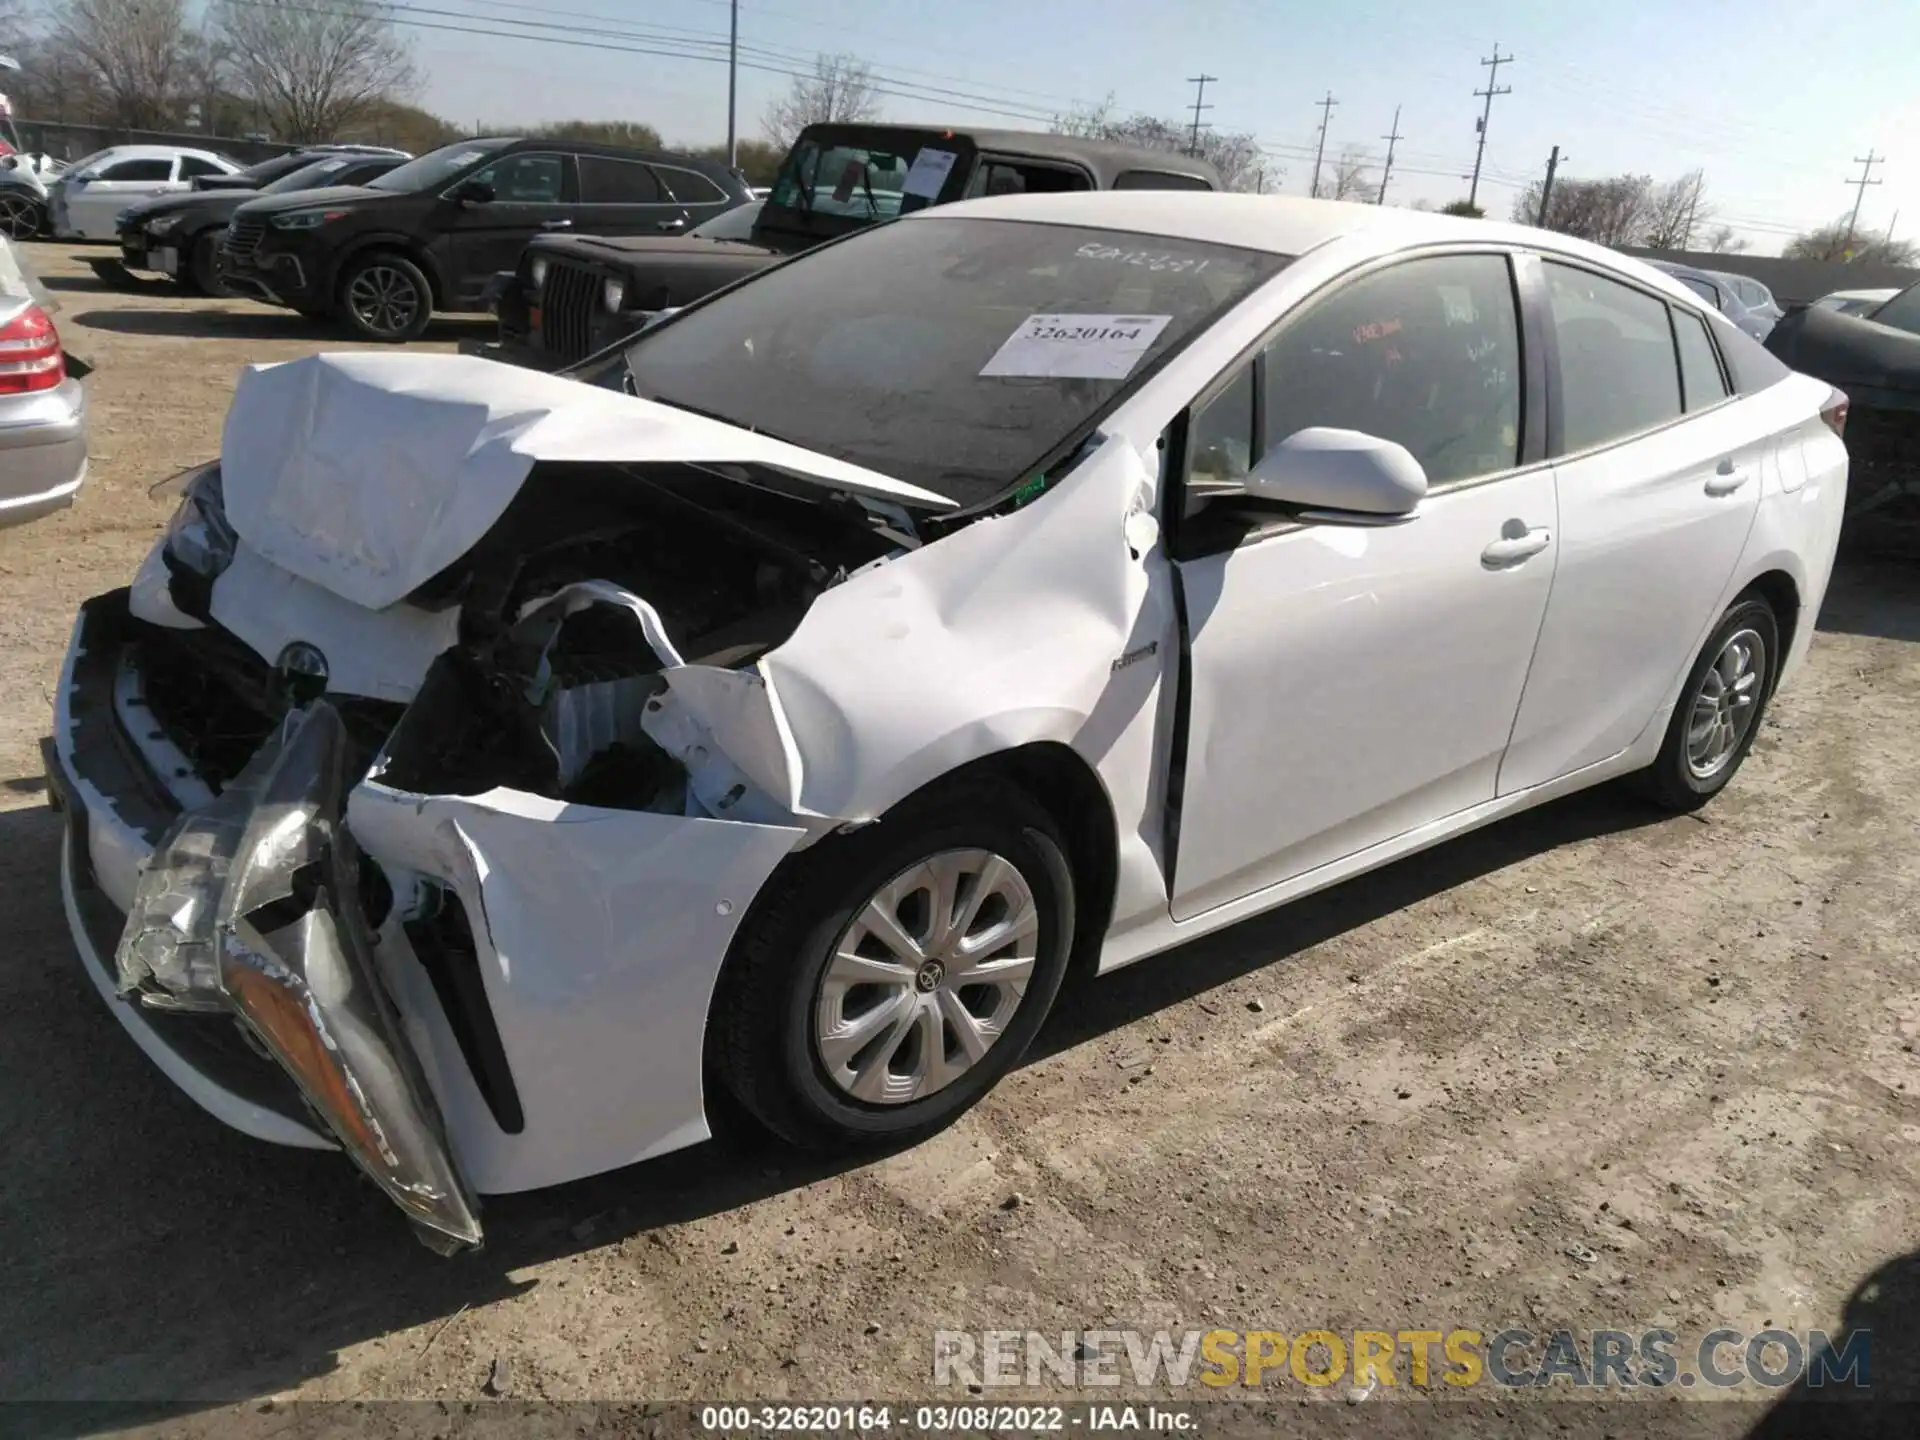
844	180
953	354
1902	311
437	167
734	224
309	177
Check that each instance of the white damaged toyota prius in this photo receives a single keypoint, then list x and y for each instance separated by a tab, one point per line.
487	767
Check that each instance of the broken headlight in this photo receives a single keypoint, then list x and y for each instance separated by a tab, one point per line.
200	541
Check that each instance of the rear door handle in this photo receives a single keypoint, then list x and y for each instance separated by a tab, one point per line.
1514	549
556	224
1726	479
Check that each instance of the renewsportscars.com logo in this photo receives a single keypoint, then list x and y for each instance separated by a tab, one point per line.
1416	1359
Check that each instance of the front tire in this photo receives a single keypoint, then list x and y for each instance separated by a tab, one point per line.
891	976
22	216
385	297
1720	708
202	275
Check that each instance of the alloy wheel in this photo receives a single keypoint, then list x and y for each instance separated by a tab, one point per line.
20	215
383	299
926	978
1725	703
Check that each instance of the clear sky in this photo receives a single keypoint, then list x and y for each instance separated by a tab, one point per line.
1773	98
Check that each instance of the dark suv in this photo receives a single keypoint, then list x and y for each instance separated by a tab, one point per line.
430	234
577	293
179	235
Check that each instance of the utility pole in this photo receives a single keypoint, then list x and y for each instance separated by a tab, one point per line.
1693	209
1866	163
1386	170
1887	242
1546	189
1493	74
1326	115
1199	96
733	84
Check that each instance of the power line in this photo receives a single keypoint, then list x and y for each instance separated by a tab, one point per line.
1866	163
1326	117
399	14
1200	82
1386	171
1493	74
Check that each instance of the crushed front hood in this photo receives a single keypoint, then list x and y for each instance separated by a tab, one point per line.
369	474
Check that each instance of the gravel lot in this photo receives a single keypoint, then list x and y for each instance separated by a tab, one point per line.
1592	1067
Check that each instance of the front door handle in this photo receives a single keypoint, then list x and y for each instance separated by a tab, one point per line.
1726	479
676	224
556	224
1515	546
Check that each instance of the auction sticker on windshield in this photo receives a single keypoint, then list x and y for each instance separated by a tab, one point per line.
928	173
1076	347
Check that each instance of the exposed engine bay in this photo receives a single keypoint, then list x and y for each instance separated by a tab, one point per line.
592	580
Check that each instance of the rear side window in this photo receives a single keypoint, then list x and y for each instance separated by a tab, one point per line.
1013	177
1701	288
139	170
1700	377
689	187
604	181
192	165
1159	180
1618	373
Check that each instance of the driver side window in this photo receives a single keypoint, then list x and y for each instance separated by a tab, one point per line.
1425	353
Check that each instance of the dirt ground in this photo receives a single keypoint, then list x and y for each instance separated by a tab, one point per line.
1592	1067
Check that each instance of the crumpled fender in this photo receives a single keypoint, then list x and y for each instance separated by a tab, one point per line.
1006	633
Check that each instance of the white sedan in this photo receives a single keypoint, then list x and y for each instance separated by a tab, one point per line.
85	202
486	762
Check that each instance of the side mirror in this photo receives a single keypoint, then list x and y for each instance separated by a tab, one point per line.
472	192
1340	475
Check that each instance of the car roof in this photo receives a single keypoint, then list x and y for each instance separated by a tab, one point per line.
1278	224
161	152
612	152
1879	294
1105	157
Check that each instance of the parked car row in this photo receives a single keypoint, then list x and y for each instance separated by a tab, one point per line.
1740	298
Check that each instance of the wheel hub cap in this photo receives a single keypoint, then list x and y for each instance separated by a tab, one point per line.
927	977
1725	703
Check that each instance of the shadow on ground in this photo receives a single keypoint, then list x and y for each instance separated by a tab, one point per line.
1873	596
156	1256
1879	1398
210	320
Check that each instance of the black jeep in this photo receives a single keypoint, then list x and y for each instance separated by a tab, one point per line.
572	295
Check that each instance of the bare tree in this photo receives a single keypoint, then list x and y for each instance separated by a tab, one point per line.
1721	240
1608	212
1673	210
130	53
1866	247
311	69
840	89
1237	156
1352	180
1463	208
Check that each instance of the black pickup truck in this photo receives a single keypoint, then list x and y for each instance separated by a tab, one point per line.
573	295
1875	359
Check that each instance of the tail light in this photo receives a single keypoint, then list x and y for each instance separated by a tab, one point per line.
30	357
1834	412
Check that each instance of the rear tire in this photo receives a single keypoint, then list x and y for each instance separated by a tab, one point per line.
944	1018
1719	710
385	296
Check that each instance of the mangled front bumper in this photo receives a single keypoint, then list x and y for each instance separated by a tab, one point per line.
471	994
252	905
